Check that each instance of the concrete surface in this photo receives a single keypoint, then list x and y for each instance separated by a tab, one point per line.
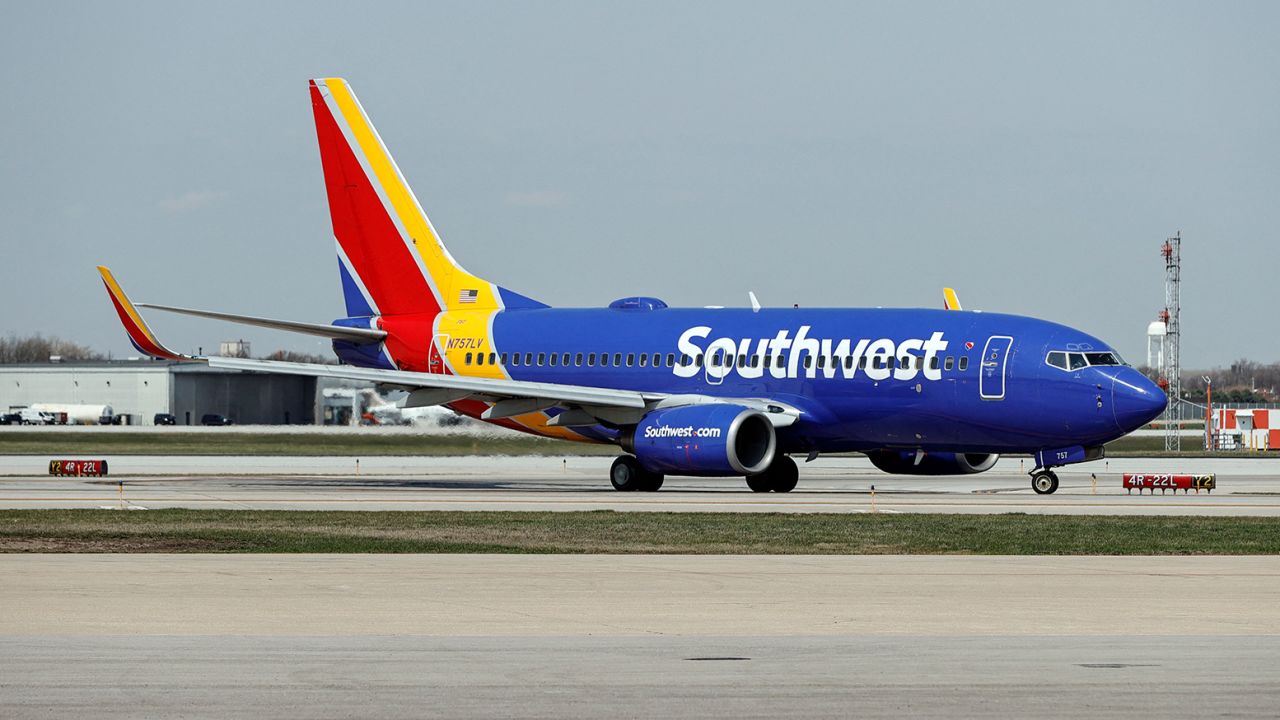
1247	486
412	677
234	636
583	595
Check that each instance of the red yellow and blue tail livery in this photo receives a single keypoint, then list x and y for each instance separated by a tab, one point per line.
685	391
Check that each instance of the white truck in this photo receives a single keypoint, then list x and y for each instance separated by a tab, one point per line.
32	416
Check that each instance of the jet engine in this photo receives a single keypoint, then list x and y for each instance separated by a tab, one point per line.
715	439
904	462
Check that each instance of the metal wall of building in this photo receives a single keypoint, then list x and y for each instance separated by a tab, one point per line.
245	398
138	389
143	389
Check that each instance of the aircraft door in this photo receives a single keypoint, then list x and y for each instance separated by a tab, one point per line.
991	368
435	361
713	368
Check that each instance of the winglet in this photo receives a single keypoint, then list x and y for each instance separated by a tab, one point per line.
139	334
950	301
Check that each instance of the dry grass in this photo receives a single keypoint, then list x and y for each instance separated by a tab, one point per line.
613	532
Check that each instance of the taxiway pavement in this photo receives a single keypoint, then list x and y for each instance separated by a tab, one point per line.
634	636
1247	486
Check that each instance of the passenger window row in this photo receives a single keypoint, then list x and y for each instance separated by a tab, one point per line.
717	359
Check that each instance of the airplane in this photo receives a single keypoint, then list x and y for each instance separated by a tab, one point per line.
712	392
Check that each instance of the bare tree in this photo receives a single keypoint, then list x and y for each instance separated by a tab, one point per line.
298	357
38	349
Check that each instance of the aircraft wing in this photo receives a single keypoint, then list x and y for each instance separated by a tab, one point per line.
584	405
320	330
550	393
950	301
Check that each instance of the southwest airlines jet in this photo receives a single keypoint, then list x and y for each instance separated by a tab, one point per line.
685	391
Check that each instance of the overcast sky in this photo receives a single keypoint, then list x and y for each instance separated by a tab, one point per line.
1033	155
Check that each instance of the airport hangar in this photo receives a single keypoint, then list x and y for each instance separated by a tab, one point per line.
142	388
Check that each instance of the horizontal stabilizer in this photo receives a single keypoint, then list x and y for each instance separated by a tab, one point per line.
335	332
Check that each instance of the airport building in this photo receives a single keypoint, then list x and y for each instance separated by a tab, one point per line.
141	389
1240	427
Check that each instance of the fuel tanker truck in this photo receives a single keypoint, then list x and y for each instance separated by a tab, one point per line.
77	414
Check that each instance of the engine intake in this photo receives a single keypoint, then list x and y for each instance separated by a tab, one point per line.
716	439
903	462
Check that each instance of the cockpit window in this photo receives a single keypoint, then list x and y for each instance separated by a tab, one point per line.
1064	360
1103	358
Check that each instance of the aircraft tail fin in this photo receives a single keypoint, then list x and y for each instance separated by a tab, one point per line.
391	259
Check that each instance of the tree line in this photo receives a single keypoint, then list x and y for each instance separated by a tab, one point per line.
1244	381
39	349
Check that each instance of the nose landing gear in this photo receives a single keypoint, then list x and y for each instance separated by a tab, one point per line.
1044	481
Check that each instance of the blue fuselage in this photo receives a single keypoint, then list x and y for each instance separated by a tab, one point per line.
862	378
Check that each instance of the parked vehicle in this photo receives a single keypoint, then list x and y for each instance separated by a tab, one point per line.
164	419
214	419
10	419
77	414
30	416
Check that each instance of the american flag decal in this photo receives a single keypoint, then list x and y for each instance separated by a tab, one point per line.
468	296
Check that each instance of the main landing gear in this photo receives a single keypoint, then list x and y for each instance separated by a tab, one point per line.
627	475
781	476
1044	481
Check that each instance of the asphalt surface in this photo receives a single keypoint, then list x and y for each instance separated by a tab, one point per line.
1246	486
234	636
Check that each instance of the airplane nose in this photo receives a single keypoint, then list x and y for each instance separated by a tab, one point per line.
1135	400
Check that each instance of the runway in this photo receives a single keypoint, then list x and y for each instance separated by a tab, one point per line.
1247	486
635	636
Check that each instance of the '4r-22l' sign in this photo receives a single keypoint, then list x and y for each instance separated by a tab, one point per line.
1140	482
78	468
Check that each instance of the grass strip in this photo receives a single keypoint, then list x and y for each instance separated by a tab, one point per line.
254	531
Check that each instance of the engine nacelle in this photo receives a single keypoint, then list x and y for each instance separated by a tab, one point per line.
903	462
716	439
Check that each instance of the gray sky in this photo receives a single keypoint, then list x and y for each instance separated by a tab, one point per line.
1033	155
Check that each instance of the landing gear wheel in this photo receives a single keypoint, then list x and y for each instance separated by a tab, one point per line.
651	483
1044	482
781	477
784	474
627	475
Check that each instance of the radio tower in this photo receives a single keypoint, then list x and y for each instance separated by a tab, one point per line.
1172	252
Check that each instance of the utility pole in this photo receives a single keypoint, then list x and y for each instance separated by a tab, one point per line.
1172	252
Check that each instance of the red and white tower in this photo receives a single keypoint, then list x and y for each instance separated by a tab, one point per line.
1171	367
